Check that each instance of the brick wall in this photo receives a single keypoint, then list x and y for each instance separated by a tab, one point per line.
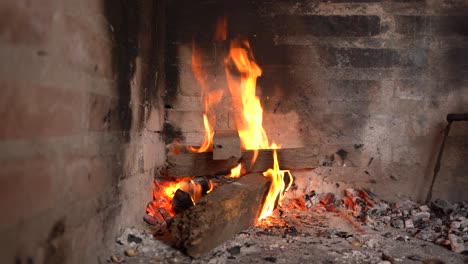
370	82
80	121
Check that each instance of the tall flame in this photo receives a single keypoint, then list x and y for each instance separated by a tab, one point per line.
250	121
241	72
210	98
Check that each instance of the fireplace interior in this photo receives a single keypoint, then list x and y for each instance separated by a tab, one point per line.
178	131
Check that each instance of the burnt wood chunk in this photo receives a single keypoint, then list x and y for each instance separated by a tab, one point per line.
181	201
226	144
219	215
202	164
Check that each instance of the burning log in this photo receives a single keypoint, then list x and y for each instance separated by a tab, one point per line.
220	215
202	164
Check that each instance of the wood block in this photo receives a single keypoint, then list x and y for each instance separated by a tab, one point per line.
226	144
202	164
219	215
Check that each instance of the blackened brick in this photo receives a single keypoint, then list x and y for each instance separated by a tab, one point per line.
457	57
327	26
196	20
432	25
285	55
352	1
372	58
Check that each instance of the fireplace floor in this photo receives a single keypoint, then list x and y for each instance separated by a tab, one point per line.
294	236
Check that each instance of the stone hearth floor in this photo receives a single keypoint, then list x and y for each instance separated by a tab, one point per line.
295	236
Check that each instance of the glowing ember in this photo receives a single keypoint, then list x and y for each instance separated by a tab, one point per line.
163	194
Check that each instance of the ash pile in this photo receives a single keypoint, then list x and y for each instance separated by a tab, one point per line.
439	222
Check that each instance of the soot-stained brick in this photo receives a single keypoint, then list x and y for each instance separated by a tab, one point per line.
342	153
285	55
431	25
457	57
171	133
372	58
353	1
124	30
327	26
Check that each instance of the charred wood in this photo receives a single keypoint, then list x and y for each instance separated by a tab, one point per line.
181	201
202	164
219	215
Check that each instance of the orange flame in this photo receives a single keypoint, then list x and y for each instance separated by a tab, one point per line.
210	186
249	123
250	120
241	72
163	194
236	172
277	187
210	99
207	140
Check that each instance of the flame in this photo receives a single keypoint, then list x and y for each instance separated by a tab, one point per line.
163	193
207	140
277	187
236	172
241	72
250	120
210	98
210	186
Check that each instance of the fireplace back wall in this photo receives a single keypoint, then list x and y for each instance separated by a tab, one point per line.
368	83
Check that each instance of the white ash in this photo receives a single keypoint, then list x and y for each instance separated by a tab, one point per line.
427	233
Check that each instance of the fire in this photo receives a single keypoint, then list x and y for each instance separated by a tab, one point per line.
208	139
163	193
241	72
210	98
277	187
236	172
249	123
210	186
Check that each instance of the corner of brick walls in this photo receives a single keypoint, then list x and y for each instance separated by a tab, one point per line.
369	82
78	152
